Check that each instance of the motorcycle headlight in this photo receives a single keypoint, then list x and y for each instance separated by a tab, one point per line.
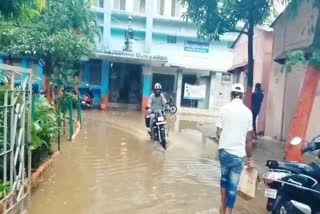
160	119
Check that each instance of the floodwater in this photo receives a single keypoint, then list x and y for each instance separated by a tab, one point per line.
112	167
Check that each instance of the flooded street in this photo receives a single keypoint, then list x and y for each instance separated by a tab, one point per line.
113	167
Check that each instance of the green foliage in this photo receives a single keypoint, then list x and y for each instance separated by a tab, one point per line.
44	125
61	36
294	58
315	59
216	17
64	101
4	188
21	9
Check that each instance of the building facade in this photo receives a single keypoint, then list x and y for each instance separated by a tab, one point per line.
285	86
162	48
262	50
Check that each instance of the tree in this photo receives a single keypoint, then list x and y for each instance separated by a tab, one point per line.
216	17
23	9
51	37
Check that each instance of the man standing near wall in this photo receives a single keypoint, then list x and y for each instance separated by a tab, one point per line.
257	98
234	131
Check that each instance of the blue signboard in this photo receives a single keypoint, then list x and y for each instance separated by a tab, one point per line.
199	47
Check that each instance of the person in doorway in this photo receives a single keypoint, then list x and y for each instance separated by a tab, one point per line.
234	132
157	102
257	98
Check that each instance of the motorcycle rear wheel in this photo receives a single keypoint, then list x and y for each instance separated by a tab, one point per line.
173	109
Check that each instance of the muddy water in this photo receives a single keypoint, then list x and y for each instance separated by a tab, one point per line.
112	167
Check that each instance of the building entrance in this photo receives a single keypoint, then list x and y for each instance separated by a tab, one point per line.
125	85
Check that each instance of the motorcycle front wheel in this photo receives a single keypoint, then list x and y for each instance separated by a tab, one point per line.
163	140
285	207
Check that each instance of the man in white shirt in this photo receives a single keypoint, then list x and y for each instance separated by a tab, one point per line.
234	131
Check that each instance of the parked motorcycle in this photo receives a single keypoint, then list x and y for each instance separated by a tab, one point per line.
159	130
171	108
294	187
87	100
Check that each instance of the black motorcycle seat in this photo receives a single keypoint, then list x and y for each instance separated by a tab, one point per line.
312	169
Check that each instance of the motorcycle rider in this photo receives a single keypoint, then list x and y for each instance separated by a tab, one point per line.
157	102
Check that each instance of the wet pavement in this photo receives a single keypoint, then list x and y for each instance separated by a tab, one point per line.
113	167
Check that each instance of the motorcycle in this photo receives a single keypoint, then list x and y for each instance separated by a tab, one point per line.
87	101
294	187
172	108
159	130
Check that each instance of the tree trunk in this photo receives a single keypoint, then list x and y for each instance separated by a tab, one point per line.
48	70
250	59
300	122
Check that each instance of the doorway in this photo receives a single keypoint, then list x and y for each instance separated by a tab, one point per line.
125	85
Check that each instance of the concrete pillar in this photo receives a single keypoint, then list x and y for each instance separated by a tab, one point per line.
150	4
105	69
86	72
106	37
40	74
24	64
212	88
179	88
147	71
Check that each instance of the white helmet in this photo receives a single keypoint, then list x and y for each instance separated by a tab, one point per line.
237	88
157	86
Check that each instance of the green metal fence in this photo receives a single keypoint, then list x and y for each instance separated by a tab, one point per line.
15	138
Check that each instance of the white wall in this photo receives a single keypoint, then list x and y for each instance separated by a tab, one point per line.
219	57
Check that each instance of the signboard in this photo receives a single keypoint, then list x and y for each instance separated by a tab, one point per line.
199	47
194	92
133	55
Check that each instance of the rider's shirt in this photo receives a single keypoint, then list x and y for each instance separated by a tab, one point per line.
157	103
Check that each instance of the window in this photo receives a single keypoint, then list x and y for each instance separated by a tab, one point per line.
172	39
142	6
97	3
122	4
119	4
101	3
161	7
139	6
173	7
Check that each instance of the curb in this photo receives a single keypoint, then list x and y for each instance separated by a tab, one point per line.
43	167
50	161
77	129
